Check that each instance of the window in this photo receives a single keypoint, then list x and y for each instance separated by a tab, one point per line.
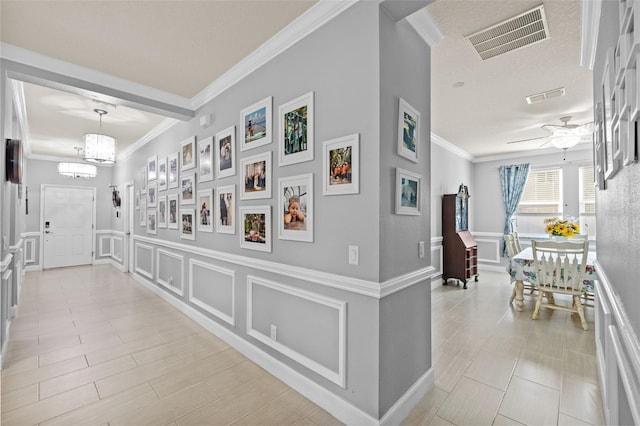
587	201
542	193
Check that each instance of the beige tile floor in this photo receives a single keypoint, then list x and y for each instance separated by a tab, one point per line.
90	346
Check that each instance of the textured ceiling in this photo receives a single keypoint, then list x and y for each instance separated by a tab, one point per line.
181	47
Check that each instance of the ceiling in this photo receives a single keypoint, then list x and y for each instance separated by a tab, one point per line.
181	47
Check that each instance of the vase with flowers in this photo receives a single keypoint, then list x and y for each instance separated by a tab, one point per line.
560	228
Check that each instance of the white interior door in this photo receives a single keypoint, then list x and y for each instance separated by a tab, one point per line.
67	226
130	226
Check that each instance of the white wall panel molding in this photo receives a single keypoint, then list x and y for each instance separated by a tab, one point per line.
31	234
230	319
137	268
332	403
102	252
353	285
169	284
492	253
116	247
337	377
29	251
6	262
619	359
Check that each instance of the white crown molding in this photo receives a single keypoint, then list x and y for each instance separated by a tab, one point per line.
443	143
534	153
17	89
164	125
591	10
57	159
426	27
315	17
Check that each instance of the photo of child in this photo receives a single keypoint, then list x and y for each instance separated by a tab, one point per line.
294	211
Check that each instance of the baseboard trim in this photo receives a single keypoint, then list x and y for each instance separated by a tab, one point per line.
401	409
333	404
33	268
493	268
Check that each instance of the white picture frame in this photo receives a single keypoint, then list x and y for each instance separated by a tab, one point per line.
143	180
152	195
188	153
255	177
256	125
225	148
152	168
225	209
143	212
341	165
187	188
205	159
162	211
173	211
296	130
162	174
408	131
152	222
255	228
205	209
295	208
408	192
187	224
173	170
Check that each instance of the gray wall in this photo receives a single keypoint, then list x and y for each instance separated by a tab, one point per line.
618	207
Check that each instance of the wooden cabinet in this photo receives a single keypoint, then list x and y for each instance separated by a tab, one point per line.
460	250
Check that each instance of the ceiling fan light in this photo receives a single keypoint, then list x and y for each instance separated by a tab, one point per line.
565	141
99	148
77	170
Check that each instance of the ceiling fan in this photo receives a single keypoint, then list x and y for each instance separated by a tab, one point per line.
562	136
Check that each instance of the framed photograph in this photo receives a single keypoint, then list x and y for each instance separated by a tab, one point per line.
408	131
187	222
205	204
225	209
295	202
151	222
143	180
152	195
226	152
162	174
341	165
143	212
162	211
188	153
172	205
255	222
256	177
137	201
408	192
256	125
187	188
152	168
608	86
172	168
205	156
296	130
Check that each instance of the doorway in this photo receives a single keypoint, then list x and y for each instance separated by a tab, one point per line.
68	217
129	226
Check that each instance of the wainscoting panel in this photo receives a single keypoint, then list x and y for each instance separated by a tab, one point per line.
104	246
488	250
29	251
116	248
213	289
307	327
143	260
436	261
170	270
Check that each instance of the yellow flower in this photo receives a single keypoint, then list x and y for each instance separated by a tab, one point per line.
561	227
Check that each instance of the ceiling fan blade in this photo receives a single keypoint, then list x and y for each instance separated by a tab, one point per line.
527	140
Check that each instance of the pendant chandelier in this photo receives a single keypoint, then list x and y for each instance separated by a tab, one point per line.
99	148
77	169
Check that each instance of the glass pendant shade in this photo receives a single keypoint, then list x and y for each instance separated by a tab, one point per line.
566	141
99	148
77	170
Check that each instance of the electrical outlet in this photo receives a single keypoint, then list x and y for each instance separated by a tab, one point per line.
421	249
354	255
274	332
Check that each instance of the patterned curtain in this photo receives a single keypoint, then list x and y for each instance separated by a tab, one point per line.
512	179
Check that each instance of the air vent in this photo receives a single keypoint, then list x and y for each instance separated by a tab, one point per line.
520	31
539	97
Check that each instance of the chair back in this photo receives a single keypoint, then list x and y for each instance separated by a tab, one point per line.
516	241
511	245
560	266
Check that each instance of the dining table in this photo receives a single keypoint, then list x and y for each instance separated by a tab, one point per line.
521	268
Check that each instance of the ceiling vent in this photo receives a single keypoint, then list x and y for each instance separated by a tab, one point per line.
539	97
520	31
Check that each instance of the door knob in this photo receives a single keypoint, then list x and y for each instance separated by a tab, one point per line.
48	232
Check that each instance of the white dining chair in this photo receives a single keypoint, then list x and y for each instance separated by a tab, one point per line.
559	268
513	248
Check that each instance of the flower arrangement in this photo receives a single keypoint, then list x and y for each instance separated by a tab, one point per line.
561	227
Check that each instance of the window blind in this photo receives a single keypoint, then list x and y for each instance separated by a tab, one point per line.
542	193
587	190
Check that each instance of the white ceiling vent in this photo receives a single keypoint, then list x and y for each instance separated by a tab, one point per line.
539	97
515	33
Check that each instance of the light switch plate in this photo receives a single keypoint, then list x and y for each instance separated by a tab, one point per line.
354	255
